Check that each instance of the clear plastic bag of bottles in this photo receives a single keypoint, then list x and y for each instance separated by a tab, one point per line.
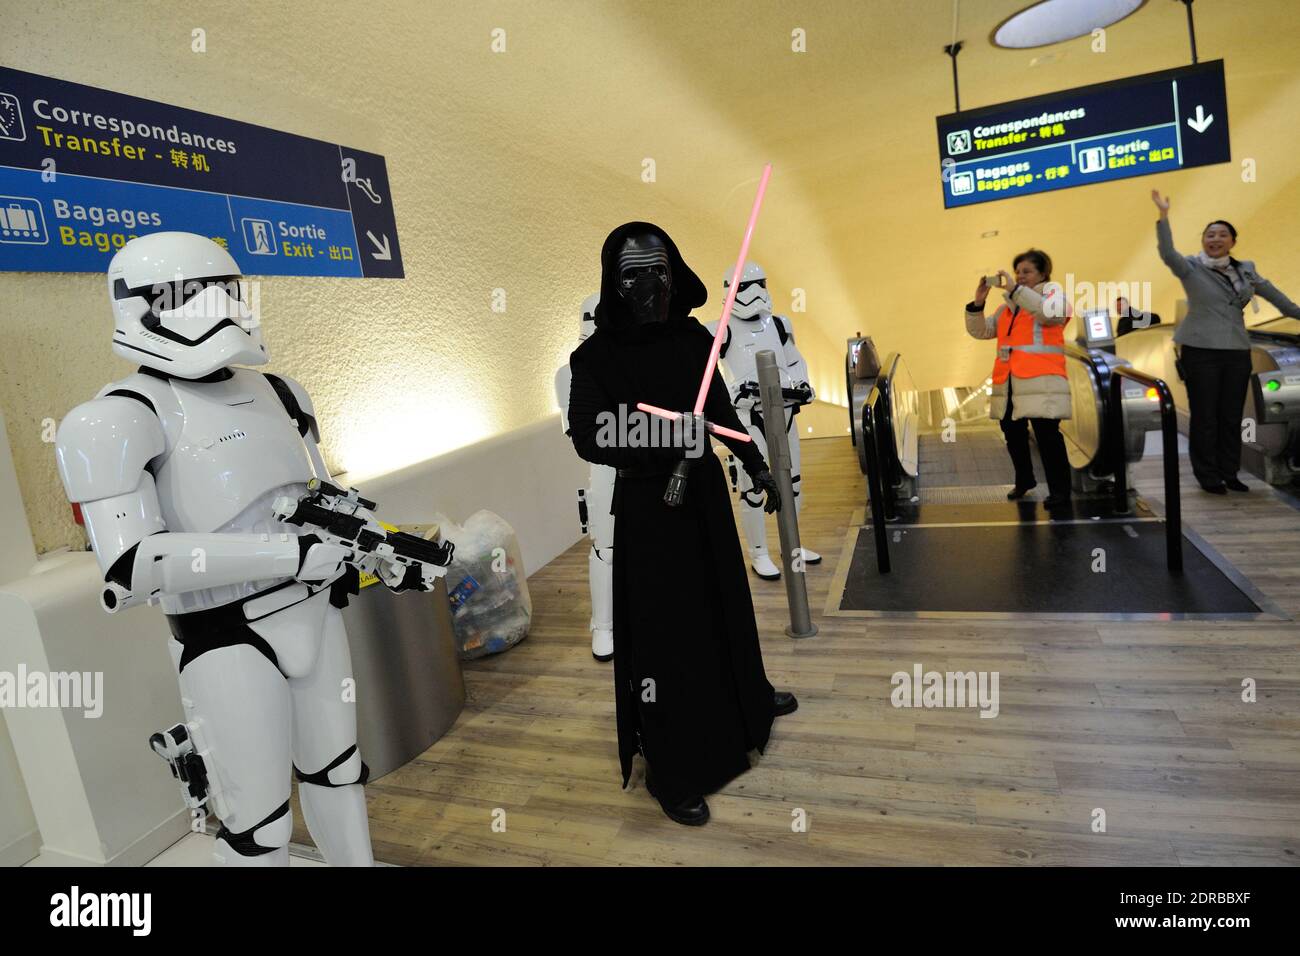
486	585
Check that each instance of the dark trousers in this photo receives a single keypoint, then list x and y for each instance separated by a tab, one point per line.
1051	448
1216	380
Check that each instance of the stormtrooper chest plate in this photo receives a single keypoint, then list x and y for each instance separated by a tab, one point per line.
748	338
236	443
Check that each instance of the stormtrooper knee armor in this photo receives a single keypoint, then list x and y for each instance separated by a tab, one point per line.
175	469
594	514
752	329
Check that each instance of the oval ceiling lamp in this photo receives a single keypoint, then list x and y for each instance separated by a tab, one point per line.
1053	21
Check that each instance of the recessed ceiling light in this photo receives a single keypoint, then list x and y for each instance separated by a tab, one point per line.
1052	21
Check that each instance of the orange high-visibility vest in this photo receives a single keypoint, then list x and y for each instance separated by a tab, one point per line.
1027	349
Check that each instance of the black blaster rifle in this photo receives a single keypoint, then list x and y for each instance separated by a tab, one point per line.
345	518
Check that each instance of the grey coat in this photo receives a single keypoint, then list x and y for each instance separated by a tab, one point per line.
1215	316
1044	396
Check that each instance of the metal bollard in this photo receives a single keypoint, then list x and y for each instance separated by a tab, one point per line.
787	521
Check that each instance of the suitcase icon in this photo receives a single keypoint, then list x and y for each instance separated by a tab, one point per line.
17	218
21	220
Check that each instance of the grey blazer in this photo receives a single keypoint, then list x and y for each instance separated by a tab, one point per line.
1215	316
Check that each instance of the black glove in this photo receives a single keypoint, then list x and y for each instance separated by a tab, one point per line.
765	483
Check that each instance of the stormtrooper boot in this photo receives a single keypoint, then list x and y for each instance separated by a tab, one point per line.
602	644
763	564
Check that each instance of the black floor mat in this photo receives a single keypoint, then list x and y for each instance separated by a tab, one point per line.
1038	567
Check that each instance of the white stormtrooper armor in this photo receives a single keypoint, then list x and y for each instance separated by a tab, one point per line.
752	329
594	504
175	469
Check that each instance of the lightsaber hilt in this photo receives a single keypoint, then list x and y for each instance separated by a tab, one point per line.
675	493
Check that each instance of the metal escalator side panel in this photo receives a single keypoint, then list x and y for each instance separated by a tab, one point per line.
905	418
909	456
1273	403
1084	431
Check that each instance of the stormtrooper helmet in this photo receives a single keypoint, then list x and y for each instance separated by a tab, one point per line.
587	324
752	300
179	306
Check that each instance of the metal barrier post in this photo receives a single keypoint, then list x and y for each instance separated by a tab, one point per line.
787	519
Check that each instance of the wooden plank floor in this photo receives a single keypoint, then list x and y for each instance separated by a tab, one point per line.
1143	721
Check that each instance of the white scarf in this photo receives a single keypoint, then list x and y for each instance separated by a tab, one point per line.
1224	265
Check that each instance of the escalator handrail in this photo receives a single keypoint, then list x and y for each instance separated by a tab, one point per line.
1160	326
871	437
885	382
848	382
1169	438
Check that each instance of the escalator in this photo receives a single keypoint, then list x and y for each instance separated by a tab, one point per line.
1271	448
938	537
1093	459
1273	402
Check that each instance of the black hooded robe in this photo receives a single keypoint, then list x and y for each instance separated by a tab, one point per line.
683	616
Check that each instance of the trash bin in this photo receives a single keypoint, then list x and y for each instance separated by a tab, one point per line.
408	682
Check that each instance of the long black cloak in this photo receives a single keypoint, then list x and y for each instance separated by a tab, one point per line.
683	617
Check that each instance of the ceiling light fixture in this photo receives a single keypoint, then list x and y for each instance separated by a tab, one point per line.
1054	21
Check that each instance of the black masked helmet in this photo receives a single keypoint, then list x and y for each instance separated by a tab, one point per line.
687	291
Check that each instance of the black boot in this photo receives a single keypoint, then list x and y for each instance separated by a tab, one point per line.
688	811
1019	491
785	703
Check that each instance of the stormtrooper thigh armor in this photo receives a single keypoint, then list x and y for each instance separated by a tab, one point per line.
600	561
274	697
752	519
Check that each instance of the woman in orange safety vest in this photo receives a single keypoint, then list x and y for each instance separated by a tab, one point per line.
1029	377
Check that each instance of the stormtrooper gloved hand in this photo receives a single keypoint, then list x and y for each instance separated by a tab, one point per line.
319	561
399	577
766	483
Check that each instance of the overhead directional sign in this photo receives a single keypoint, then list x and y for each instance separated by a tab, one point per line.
1132	127
84	170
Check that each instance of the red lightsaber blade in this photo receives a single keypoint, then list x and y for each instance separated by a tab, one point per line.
675	494
720	335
